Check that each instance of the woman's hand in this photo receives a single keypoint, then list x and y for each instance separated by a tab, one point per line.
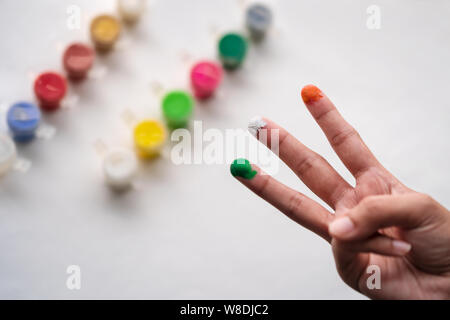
378	222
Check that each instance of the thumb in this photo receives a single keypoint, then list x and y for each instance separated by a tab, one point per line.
377	212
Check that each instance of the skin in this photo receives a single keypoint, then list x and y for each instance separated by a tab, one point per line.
378	222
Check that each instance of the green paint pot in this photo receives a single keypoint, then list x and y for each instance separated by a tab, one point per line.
232	50
243	169
177	107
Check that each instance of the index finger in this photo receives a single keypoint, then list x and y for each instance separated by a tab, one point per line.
292	203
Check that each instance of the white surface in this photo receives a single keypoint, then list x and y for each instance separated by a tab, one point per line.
193	231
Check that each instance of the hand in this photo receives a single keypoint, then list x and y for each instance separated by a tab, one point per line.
378	222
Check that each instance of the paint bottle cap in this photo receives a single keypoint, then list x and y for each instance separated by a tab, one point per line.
119	168
8	154
258	21
205	78
131	10
78	60
149	138
50	88
105	31
23	119
177	107
232	50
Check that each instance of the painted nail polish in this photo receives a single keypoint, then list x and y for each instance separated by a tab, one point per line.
311	94
255	124
243	169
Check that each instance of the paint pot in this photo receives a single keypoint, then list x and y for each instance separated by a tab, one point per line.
232	50
177	107
205	78
258	20
131	10
149	138
23	119
50	88
119	168
8	154
78	60
105	31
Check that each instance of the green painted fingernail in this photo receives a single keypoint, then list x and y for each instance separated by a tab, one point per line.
242	168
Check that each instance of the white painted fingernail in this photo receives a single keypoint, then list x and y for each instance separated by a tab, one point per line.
256	124
341	227
401	247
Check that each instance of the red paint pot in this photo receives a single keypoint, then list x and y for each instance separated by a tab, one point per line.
50	88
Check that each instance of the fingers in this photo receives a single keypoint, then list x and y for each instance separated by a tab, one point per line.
342	136
317	174
378	212
293	204
377	244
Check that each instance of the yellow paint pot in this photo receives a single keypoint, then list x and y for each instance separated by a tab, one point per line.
149	138
105	31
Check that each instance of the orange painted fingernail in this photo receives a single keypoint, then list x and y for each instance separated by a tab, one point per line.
311	93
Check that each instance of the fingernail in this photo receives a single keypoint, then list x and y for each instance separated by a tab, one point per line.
342	226
311	94
243	169
255	124
401	247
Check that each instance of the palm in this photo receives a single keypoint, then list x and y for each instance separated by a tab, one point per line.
374	182
397	278
402	277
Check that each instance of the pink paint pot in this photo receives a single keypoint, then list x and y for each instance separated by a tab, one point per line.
205	79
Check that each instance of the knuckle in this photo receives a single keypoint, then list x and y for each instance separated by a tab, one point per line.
342	136
426	201
322	115
282	139
294	204
370	204
304	165
339	193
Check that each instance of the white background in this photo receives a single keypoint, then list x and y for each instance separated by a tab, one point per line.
193	231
